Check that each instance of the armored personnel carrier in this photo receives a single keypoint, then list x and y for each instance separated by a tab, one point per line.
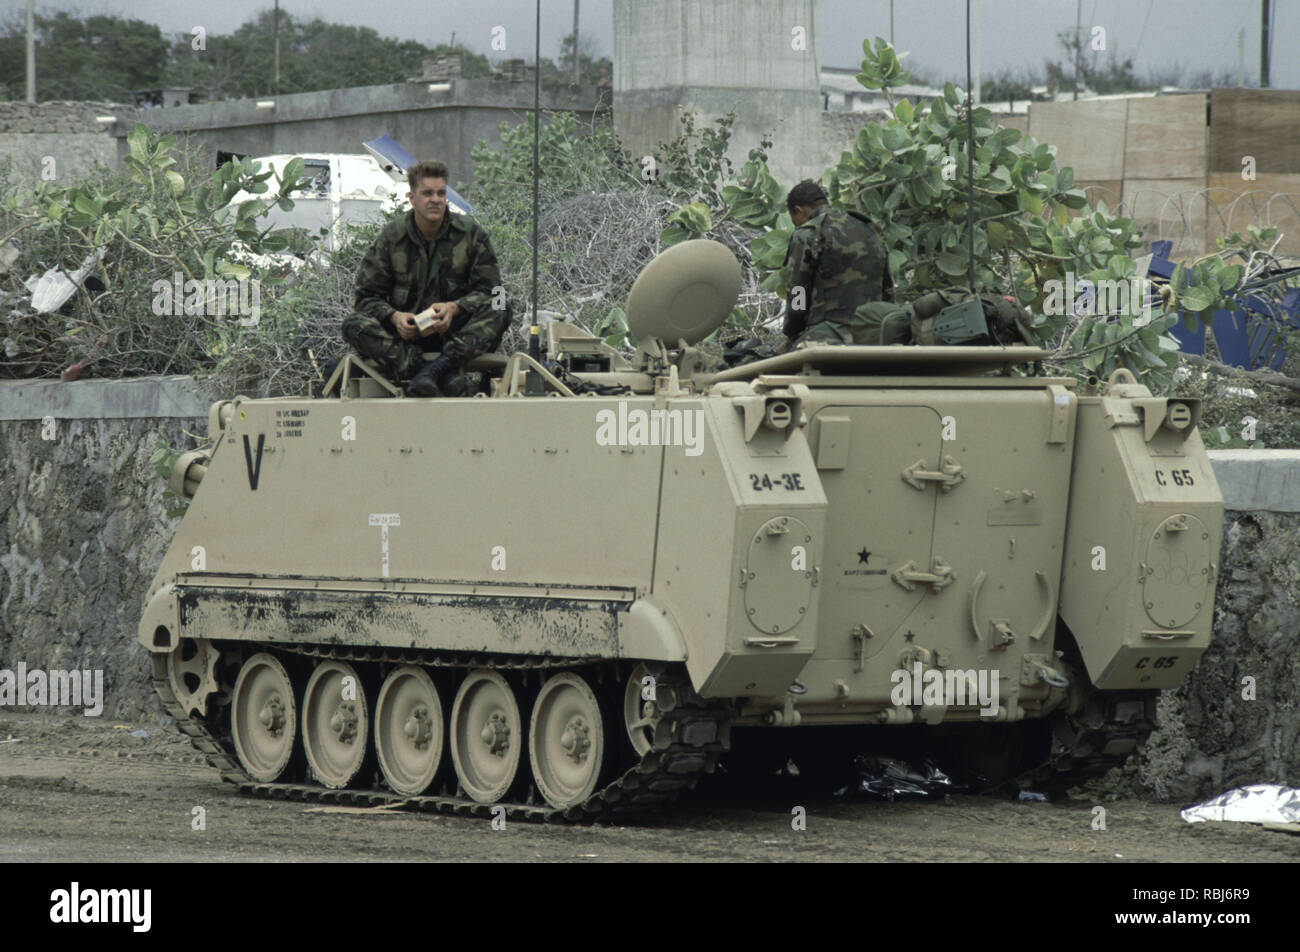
566	595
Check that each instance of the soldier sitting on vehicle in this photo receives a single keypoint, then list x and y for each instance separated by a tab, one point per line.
431	259
837	273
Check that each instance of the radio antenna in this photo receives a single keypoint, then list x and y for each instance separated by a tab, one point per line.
534	332
970	162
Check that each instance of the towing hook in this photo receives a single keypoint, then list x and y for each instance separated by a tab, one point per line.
1053	678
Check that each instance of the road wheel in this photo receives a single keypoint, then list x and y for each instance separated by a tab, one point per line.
566	741
409	730
486	736
335	723
263	717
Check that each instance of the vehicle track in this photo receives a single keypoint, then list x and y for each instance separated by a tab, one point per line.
690	735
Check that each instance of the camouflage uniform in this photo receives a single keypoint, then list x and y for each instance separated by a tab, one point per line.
404	271
839	260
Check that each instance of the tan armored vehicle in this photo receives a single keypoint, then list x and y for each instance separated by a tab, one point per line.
560	597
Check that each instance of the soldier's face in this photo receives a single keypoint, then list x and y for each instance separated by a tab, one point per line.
430	201
800	215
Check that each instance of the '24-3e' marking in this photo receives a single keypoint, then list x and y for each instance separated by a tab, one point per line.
790	481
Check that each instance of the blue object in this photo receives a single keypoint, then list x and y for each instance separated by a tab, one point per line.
1248	336
395	160
1230	333
1189	342
1265	344
390	156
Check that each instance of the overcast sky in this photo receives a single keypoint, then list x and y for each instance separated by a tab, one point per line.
1198	34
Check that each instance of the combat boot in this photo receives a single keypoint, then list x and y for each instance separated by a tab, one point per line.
456	384
433	379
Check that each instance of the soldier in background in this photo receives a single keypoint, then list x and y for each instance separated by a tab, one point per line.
836	268
431	258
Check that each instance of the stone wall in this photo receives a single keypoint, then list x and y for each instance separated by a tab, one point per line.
85	529
26	117
1211	738
85	526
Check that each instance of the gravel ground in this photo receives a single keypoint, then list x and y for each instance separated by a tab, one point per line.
78	790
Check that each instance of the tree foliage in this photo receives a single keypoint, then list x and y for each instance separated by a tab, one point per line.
593	69
574	158
605	213
1034	233
160	218
92	58
108	57
1115	75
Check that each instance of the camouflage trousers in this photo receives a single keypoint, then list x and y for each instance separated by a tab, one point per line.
468	336
874	323
374	340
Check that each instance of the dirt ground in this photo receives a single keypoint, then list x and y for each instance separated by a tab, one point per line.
76	789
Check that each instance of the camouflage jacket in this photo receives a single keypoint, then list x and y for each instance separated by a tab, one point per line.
838	260
404	271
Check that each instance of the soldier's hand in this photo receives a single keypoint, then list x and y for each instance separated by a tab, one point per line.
443	314
404	321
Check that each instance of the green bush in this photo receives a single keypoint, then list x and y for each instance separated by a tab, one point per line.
159	221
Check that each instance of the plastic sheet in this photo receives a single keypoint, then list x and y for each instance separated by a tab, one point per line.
52	290
1258	803
888	779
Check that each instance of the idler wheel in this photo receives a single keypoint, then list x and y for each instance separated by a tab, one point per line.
191	668
640	714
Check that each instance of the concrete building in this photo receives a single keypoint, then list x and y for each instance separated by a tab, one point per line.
441	119
757	58
841	92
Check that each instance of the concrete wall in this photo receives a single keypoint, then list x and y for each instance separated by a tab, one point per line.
85	530
444	125
715	57
742	44
1176	162
64	131
839	130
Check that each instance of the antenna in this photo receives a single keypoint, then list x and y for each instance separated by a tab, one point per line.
964	322
970	162
534	382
